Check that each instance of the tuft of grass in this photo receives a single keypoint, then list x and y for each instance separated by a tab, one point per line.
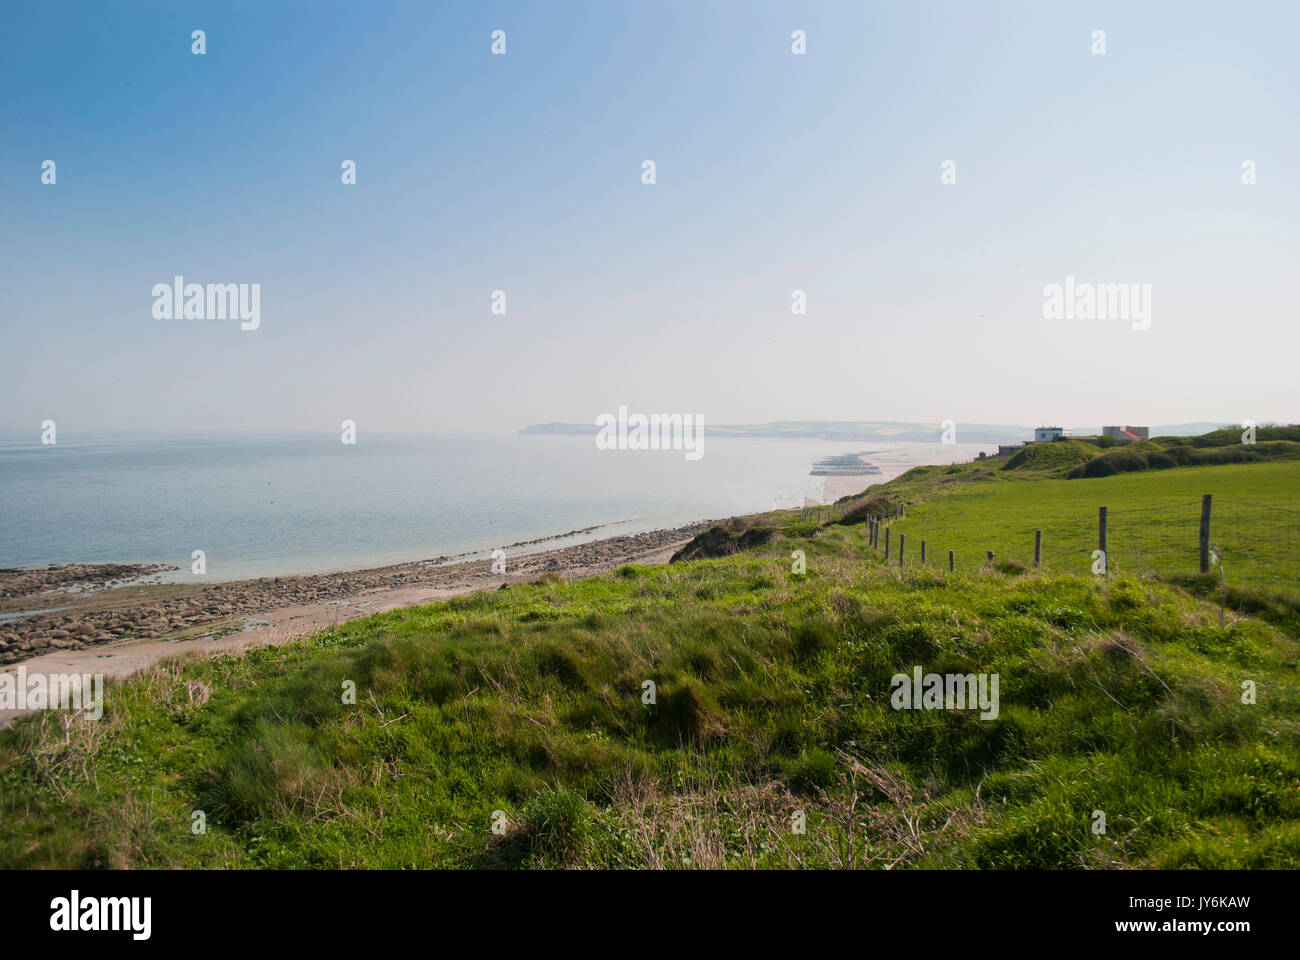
558	826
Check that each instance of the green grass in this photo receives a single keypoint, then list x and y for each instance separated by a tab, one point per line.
1055	456
1153	521
773	696
1164	453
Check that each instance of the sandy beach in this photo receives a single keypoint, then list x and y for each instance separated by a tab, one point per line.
88	627
837	487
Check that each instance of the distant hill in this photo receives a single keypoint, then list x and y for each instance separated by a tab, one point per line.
856	430
875	430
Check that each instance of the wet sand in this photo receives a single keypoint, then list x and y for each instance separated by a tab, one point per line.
837	487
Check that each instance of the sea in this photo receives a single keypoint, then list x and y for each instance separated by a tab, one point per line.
280	505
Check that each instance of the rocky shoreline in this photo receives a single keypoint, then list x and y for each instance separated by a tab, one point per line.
78	606
20	582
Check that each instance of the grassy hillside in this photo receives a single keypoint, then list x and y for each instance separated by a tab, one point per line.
1051	457
1120	695
1220	447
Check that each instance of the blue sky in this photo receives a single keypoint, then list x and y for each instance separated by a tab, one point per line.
522	172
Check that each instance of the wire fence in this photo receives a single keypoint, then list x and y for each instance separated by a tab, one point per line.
1249	545
820	513
1258	547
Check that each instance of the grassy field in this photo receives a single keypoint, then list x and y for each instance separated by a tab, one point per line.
1153	520
1119	695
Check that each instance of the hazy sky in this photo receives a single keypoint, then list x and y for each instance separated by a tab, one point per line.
523	173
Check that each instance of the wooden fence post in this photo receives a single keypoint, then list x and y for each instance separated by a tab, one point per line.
1101	539
989	558
902	540
923	551
1205	533
1038	548
886	543
951	561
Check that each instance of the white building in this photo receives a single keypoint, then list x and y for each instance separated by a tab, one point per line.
1047	434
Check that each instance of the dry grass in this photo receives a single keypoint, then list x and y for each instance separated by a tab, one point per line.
60	747
685	828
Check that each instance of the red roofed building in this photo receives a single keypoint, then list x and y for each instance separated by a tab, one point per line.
1126	434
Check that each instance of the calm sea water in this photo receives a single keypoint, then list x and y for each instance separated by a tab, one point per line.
273	506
